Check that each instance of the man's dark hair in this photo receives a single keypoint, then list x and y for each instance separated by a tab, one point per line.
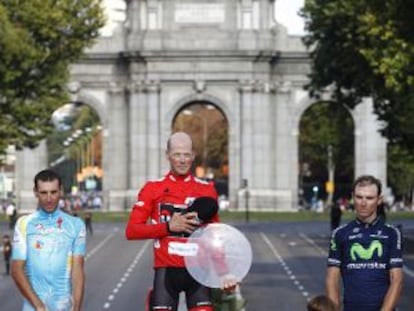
47	175
366	180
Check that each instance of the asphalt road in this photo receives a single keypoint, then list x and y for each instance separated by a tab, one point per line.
288	268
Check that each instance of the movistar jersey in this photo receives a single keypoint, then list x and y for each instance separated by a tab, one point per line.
365	253
47	242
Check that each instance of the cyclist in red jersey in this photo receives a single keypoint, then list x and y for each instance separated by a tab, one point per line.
164	202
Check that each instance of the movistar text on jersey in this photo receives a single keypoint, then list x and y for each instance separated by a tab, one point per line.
367	265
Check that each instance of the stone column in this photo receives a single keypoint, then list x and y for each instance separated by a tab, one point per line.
28	163
370	146
246	136
262	193
133	17
137	139
133	25
153	145
116	150
285	144
246	131
262	137
234	149
153	34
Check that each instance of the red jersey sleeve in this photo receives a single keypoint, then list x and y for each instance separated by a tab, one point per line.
138	226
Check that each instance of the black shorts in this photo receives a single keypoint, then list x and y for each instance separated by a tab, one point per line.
170	282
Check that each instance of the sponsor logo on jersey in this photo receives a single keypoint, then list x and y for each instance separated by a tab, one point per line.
59	222
379	235
182	249
140	203
333	245
366	265
44	231
355	236
358	251
396	260
38	244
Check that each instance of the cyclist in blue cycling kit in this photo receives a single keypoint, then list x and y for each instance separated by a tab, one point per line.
48	252
367	254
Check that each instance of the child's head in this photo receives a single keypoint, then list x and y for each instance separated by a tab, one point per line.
321	303
6	238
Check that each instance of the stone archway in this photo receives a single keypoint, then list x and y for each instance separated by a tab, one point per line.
208	127
251	69
326	160
233	133
367	137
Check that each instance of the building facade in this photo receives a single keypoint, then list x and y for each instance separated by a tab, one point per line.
228	53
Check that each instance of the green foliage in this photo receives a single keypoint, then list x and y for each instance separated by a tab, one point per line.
81	118
327	124
209	130
401	171
38	41
217	144
223	301
365	48
86	117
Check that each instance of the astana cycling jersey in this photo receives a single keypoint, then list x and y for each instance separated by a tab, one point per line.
365	253
47	242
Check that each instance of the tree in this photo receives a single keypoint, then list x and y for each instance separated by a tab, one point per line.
64	158
325	143
38	41
218	147
401	172
209	130
365	48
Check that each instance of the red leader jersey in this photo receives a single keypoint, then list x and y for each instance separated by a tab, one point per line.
158	200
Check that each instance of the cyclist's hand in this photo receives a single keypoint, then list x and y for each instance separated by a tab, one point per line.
184	222
41	308
229	283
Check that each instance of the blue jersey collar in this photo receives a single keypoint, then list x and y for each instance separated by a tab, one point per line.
43	213
376	221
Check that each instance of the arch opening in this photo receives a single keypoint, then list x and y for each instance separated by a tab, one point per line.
208	127
75	152
326	154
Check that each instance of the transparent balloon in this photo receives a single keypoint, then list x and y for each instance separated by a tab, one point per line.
219	252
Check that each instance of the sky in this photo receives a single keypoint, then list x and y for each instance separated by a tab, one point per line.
285	14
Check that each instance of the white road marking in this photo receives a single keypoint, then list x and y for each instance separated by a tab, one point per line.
124	278
408	271
313	243
288	271
101	244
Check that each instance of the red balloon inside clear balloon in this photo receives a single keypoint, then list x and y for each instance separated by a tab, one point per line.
216	252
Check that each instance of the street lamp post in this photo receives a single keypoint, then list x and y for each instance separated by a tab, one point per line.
83	143
94	132
331	172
